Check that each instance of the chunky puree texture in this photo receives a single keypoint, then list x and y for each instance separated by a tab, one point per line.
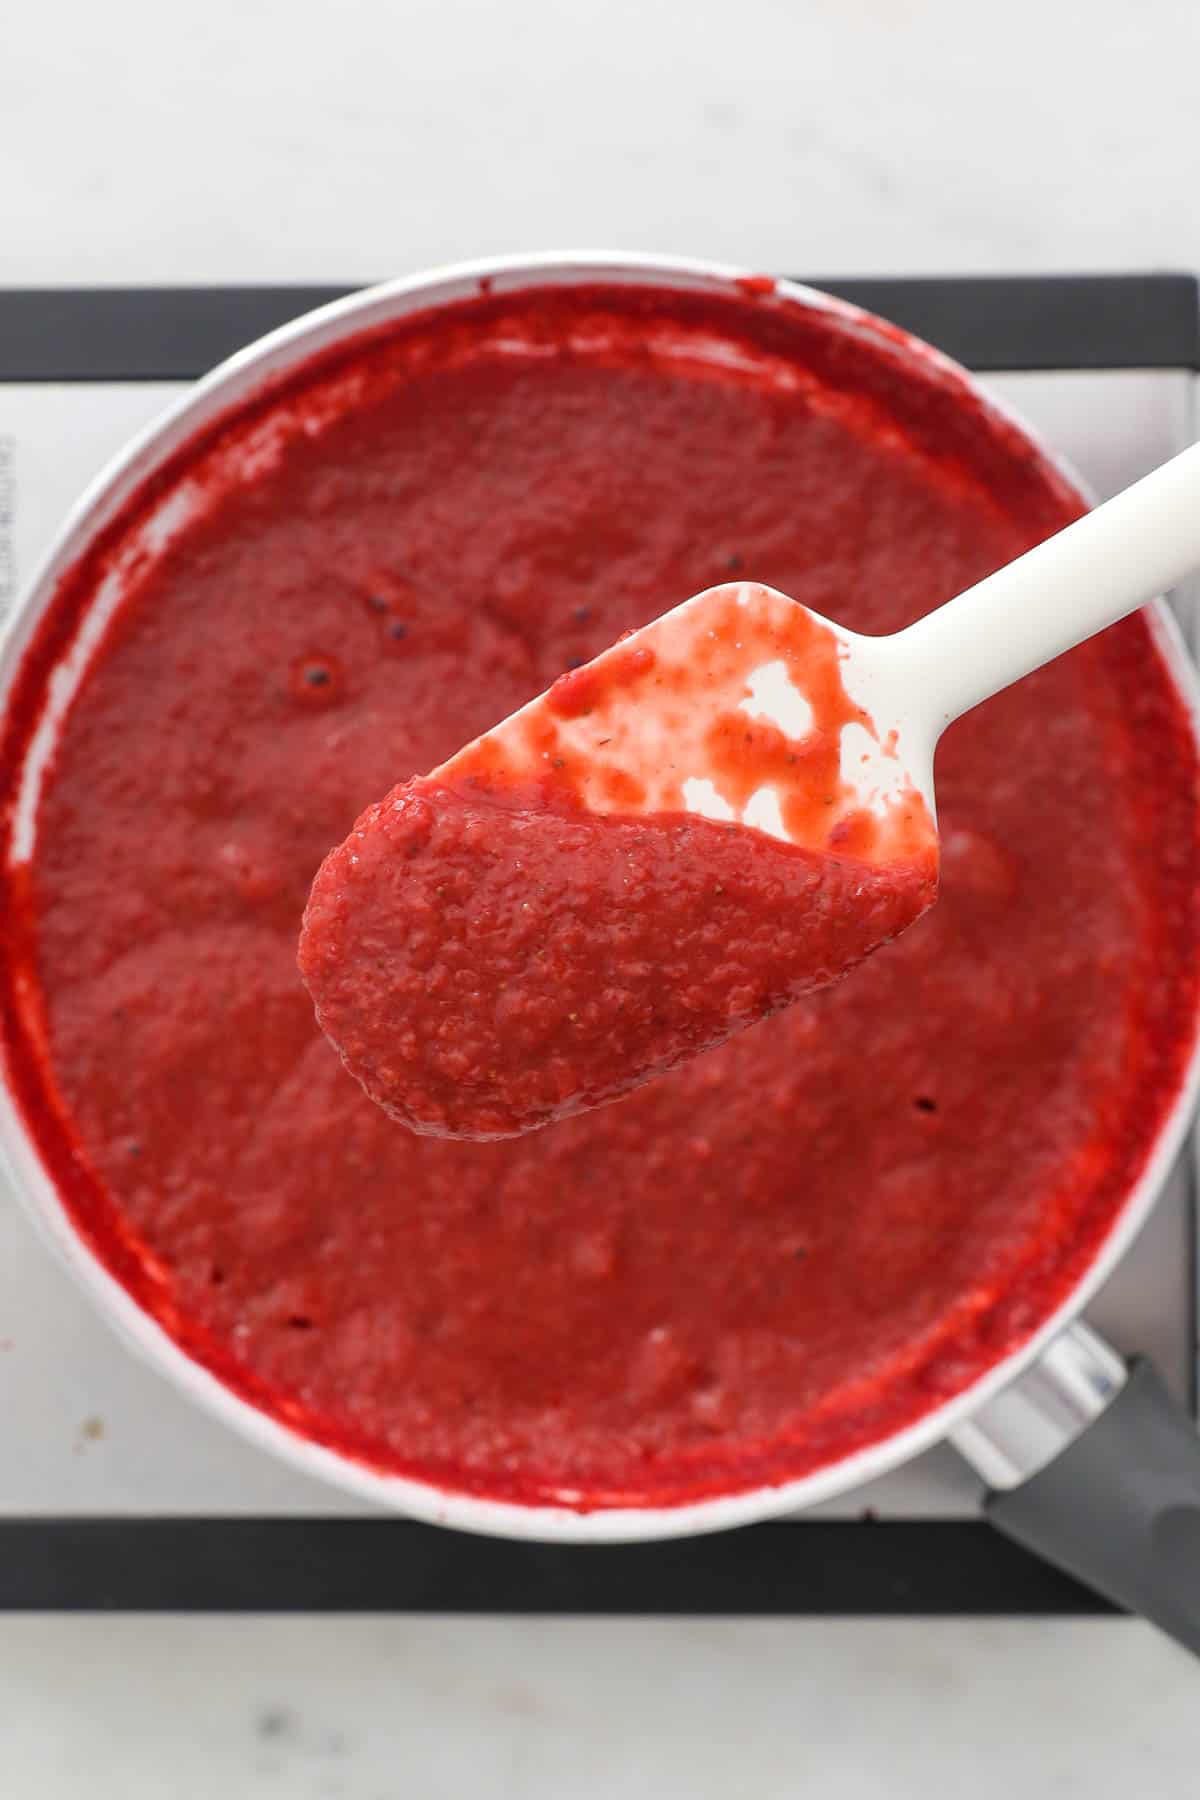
798	1242
487	963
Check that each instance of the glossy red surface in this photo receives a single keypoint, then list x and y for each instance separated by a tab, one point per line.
797	1243
487	963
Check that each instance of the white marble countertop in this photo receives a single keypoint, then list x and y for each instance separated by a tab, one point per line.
495	1709
227	140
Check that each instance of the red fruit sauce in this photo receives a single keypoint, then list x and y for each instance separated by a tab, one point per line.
801	1240
487	963
542	924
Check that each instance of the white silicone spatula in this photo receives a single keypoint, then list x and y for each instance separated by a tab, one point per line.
742	705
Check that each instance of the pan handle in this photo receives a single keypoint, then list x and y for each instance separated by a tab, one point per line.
1091	1463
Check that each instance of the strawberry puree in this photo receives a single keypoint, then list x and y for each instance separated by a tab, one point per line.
791	1246
486	963
543	925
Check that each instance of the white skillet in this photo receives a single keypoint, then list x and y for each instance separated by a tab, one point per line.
1033	1410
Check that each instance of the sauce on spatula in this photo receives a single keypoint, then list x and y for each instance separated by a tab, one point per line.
673	842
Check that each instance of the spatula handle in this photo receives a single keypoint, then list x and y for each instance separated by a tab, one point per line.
1087	576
